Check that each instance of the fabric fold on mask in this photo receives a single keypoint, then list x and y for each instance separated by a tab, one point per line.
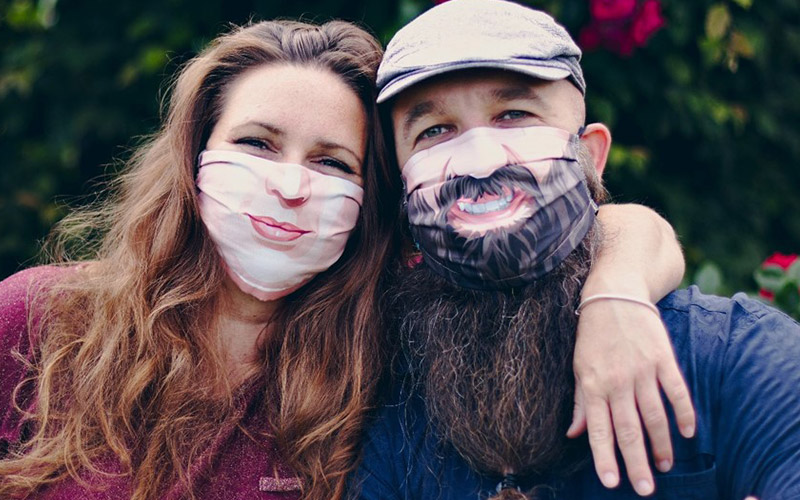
276	225
497	208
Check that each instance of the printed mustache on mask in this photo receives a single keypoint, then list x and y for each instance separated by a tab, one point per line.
505	190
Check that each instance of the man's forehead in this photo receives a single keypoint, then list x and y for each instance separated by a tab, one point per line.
432	96
494	83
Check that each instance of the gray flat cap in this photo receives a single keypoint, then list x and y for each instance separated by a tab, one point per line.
462	34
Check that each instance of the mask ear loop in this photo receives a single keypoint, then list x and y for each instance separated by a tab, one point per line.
581	130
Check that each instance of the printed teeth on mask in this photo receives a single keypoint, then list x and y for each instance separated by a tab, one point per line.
482	208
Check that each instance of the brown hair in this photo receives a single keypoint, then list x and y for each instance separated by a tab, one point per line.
125	341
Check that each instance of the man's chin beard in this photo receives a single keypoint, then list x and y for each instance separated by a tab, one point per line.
495	367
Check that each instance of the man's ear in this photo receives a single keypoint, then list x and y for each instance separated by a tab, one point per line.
597	138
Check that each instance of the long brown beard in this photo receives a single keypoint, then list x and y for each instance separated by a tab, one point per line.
496	367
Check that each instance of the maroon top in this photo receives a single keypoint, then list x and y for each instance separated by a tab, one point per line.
235	466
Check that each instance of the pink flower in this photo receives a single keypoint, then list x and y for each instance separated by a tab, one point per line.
780	260
590	37
621	25
606	10
612	35
647	21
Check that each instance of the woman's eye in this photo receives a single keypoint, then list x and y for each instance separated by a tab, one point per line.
431	132
513	114
334	163
254	142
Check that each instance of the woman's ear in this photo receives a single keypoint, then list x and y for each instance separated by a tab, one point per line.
597	138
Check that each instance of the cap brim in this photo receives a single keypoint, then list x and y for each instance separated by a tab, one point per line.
412	78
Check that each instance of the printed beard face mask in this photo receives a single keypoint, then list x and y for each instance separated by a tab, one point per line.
497	208
276	225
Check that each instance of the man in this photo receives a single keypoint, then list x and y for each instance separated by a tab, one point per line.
502	180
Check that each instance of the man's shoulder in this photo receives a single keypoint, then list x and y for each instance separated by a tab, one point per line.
736	341
725	317
684	300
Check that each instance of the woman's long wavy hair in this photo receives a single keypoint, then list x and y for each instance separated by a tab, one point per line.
125	340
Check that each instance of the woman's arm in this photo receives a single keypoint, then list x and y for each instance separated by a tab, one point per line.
623	354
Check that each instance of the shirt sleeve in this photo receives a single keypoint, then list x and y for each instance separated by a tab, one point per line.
758	430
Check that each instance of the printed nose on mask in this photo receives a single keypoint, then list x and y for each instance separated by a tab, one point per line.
478	158
292	186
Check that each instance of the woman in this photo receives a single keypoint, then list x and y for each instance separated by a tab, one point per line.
156	373
157	369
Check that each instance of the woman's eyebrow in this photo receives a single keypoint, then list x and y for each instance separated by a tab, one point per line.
253	123
335	145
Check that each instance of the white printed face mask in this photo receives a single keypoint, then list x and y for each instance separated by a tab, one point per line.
276	225
497	208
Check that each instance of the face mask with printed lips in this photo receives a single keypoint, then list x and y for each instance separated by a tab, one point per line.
276	225
497	208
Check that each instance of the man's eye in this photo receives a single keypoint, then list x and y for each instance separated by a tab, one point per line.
431	132
513	114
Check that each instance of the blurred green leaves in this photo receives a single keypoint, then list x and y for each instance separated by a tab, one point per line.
782	285
705	118
710	280
718	21
82	81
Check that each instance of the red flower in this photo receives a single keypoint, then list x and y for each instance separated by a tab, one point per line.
621	25
647	21
606	10
590	37
780	260
614	36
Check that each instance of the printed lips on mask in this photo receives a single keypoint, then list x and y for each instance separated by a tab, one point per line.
276	225
498	208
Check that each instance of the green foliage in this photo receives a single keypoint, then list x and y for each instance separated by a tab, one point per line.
705	117
81	83
709	107
783	285
710	280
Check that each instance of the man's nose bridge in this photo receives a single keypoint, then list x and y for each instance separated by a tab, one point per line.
479	157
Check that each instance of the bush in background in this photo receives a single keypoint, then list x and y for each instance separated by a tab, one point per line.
701	96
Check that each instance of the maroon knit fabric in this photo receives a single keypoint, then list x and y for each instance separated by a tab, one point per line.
238	465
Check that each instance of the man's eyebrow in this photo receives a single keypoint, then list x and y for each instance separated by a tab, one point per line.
515	92
416	112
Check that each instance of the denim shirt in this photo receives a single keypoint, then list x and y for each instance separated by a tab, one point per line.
741	361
